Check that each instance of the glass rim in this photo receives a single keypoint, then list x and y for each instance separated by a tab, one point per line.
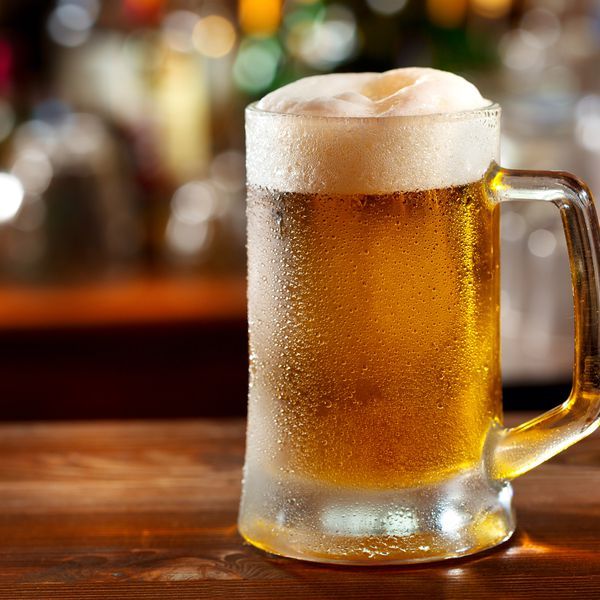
472	113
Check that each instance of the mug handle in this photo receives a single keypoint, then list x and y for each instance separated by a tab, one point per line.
519	449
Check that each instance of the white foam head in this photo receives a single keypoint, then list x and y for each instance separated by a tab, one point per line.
402	130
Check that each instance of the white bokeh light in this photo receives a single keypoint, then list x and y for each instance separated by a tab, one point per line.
542	243
587	122
70	23
11	196
386	7
34	169
194	202
326	43
178	28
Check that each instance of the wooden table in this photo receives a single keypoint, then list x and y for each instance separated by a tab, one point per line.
148	510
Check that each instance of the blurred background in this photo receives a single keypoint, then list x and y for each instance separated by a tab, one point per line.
122	290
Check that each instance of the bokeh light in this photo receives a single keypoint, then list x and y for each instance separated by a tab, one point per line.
541	243
71	21
259	17
587	124
543	25
256	64
34	170
520	50
194	202
178	28
11	196
325	41
386	7
447	13
189	230
491	9
214	36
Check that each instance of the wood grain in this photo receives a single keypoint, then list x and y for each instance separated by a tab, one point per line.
148	510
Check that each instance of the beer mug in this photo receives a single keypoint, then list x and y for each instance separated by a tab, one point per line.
375	428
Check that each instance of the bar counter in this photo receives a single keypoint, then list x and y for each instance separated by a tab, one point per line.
147	509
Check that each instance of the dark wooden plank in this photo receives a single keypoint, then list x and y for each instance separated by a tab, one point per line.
147	510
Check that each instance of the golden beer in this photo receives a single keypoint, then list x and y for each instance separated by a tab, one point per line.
373	293
374	332
375	431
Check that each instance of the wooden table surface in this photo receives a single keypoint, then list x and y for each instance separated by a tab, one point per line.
148	510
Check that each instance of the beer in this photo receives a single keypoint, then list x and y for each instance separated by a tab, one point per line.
374	332
373	321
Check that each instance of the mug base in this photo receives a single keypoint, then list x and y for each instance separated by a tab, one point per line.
458	517
404	558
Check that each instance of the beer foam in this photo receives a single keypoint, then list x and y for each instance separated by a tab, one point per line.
401	92
403	130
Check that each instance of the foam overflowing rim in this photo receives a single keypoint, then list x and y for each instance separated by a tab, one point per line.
472	113
317	153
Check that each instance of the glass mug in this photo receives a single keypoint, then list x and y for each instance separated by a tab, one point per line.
375	421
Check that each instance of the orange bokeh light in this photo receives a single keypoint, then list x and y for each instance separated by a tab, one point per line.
259	17
447	13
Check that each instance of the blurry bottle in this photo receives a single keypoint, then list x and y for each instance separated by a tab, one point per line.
78	219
